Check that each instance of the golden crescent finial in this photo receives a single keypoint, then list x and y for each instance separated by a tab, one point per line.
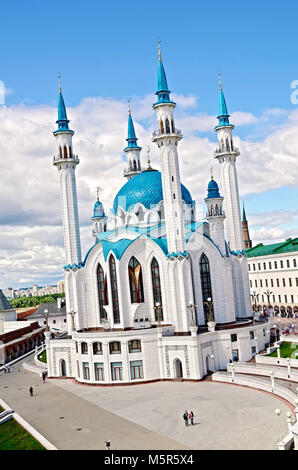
148	158
219	77
159	53
59	78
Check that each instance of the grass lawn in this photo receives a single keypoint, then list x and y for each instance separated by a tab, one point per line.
14	437
286	350
1	409
43	356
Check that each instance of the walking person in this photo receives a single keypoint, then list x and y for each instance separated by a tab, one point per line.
191	417
108	444
44	377
185	417
31	391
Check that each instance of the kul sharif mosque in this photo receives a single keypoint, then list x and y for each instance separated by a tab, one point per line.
160	295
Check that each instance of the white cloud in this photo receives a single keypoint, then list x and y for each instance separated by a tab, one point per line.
31	243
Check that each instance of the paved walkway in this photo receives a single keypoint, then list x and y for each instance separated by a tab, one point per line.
145	416
58	414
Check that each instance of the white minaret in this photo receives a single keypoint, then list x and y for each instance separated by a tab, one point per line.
167	138
132	150
66	163
227	154
215	215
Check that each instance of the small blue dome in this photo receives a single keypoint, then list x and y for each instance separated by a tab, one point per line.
98	210
213	190
146	188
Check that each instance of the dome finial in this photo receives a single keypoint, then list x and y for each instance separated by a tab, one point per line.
98	189
159	53
128	103
219	78
211	172
59	78
148	158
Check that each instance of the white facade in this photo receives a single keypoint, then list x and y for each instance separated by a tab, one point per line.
130	300
278	274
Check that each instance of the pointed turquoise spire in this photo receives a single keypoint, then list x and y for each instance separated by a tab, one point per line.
163	92
244	215
131	135
223	116
62	120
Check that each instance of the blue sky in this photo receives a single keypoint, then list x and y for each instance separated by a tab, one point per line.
109	49
107	52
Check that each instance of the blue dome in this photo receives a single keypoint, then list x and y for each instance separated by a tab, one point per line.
98	210
213	190
146	188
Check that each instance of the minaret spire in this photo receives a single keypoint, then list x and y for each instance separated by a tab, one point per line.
132	149
167	137
227	154
66	163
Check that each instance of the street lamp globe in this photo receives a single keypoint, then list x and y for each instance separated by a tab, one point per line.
209	299
277	411
289	414
157	304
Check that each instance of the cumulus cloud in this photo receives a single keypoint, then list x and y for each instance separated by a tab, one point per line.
31	238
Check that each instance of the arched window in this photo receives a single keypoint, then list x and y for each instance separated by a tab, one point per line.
228	145
205	283
115	347
84	348
135	281
60	152
102	292
216	210
173	127
168	130
97	348
157	297
114	289
65	151
70	155
134	166
211	210
161	127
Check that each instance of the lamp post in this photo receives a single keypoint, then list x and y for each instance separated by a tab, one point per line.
213	365
268	293
254	297
277	412
158	310
272	380
289	420
192	309
209	304
72	314
278	352
289	365
233	372
257	346
46	315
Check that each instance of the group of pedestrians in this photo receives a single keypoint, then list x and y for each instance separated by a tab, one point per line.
6	369
188	416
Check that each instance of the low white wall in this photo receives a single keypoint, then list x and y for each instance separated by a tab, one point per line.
41	439
242	368
275	361
258	383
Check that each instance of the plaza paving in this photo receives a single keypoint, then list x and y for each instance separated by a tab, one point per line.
145	416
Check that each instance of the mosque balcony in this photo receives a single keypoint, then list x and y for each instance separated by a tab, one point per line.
219	151
159	133
129	172
58	158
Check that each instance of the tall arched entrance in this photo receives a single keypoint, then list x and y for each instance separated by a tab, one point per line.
178	371
63	368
